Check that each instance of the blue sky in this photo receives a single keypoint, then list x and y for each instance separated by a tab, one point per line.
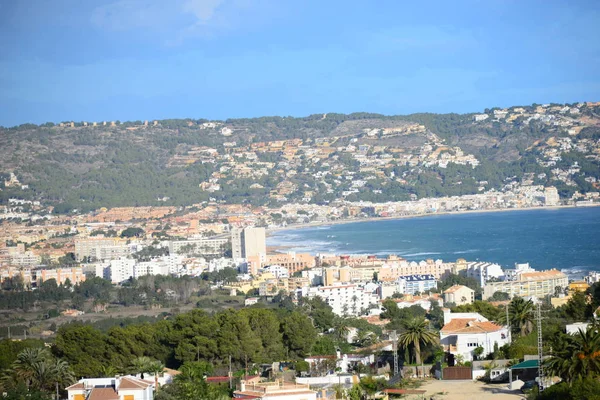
63	60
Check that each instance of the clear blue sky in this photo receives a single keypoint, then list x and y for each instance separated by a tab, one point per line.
98	60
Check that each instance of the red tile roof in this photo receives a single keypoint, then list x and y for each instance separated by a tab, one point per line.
103	394
469	325
133	384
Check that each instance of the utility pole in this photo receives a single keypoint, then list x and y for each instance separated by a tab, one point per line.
394	337
540	346
230	374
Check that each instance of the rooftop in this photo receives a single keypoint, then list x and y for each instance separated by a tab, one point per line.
469	325
455	288
549	274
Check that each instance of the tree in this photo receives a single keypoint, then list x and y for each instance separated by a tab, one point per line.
578	308
417	332
478	352
38	370
575	357
341	329
132	232
142	365
521	315
499	296
299	335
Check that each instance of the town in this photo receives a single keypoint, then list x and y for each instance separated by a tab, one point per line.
244	319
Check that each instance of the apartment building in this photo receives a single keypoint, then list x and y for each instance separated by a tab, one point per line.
344	299
33	277
413	284
101	248
529	284
247	242
293	262
209	246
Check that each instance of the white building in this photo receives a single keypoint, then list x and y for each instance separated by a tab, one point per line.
125	268
462	333
459	295
574	328
277	271
484	272
120	270
344	299
203	245
551	197
118	388
412	284
274	391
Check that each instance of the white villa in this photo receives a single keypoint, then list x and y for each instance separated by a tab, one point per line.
462	333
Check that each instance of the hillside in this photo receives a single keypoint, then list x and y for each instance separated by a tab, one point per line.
315	159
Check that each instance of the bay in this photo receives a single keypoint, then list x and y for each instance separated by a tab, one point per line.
567	239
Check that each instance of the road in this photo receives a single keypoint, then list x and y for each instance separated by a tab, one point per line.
459	390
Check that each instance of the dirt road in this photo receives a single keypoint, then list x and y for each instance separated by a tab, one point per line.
459	390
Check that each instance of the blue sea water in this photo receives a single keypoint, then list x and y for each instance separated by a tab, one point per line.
567	239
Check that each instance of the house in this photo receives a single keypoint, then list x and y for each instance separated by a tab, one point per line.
117	388
274	391
250	301
459	295
462	333
574	328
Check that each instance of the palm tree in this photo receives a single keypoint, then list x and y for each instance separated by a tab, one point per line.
341	329
108	370
28	367
38	370
576	356
417	332
521	315
142	365
156	368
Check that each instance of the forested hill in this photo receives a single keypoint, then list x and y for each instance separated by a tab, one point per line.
319	158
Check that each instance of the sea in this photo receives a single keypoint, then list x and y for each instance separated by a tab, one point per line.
567	239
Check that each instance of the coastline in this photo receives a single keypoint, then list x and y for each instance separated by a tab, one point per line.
290	227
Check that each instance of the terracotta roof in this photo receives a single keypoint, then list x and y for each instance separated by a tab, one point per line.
531	276
133	384
454	288
217	379
469	325
78	385
103	394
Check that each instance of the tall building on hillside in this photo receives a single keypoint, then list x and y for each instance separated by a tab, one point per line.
248	242
551	197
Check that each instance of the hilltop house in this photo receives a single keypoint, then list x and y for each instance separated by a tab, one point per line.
462	333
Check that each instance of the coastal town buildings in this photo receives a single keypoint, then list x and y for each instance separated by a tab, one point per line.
101	248
536	284
344	299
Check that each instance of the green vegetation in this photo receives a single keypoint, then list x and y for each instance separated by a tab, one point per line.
85	168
